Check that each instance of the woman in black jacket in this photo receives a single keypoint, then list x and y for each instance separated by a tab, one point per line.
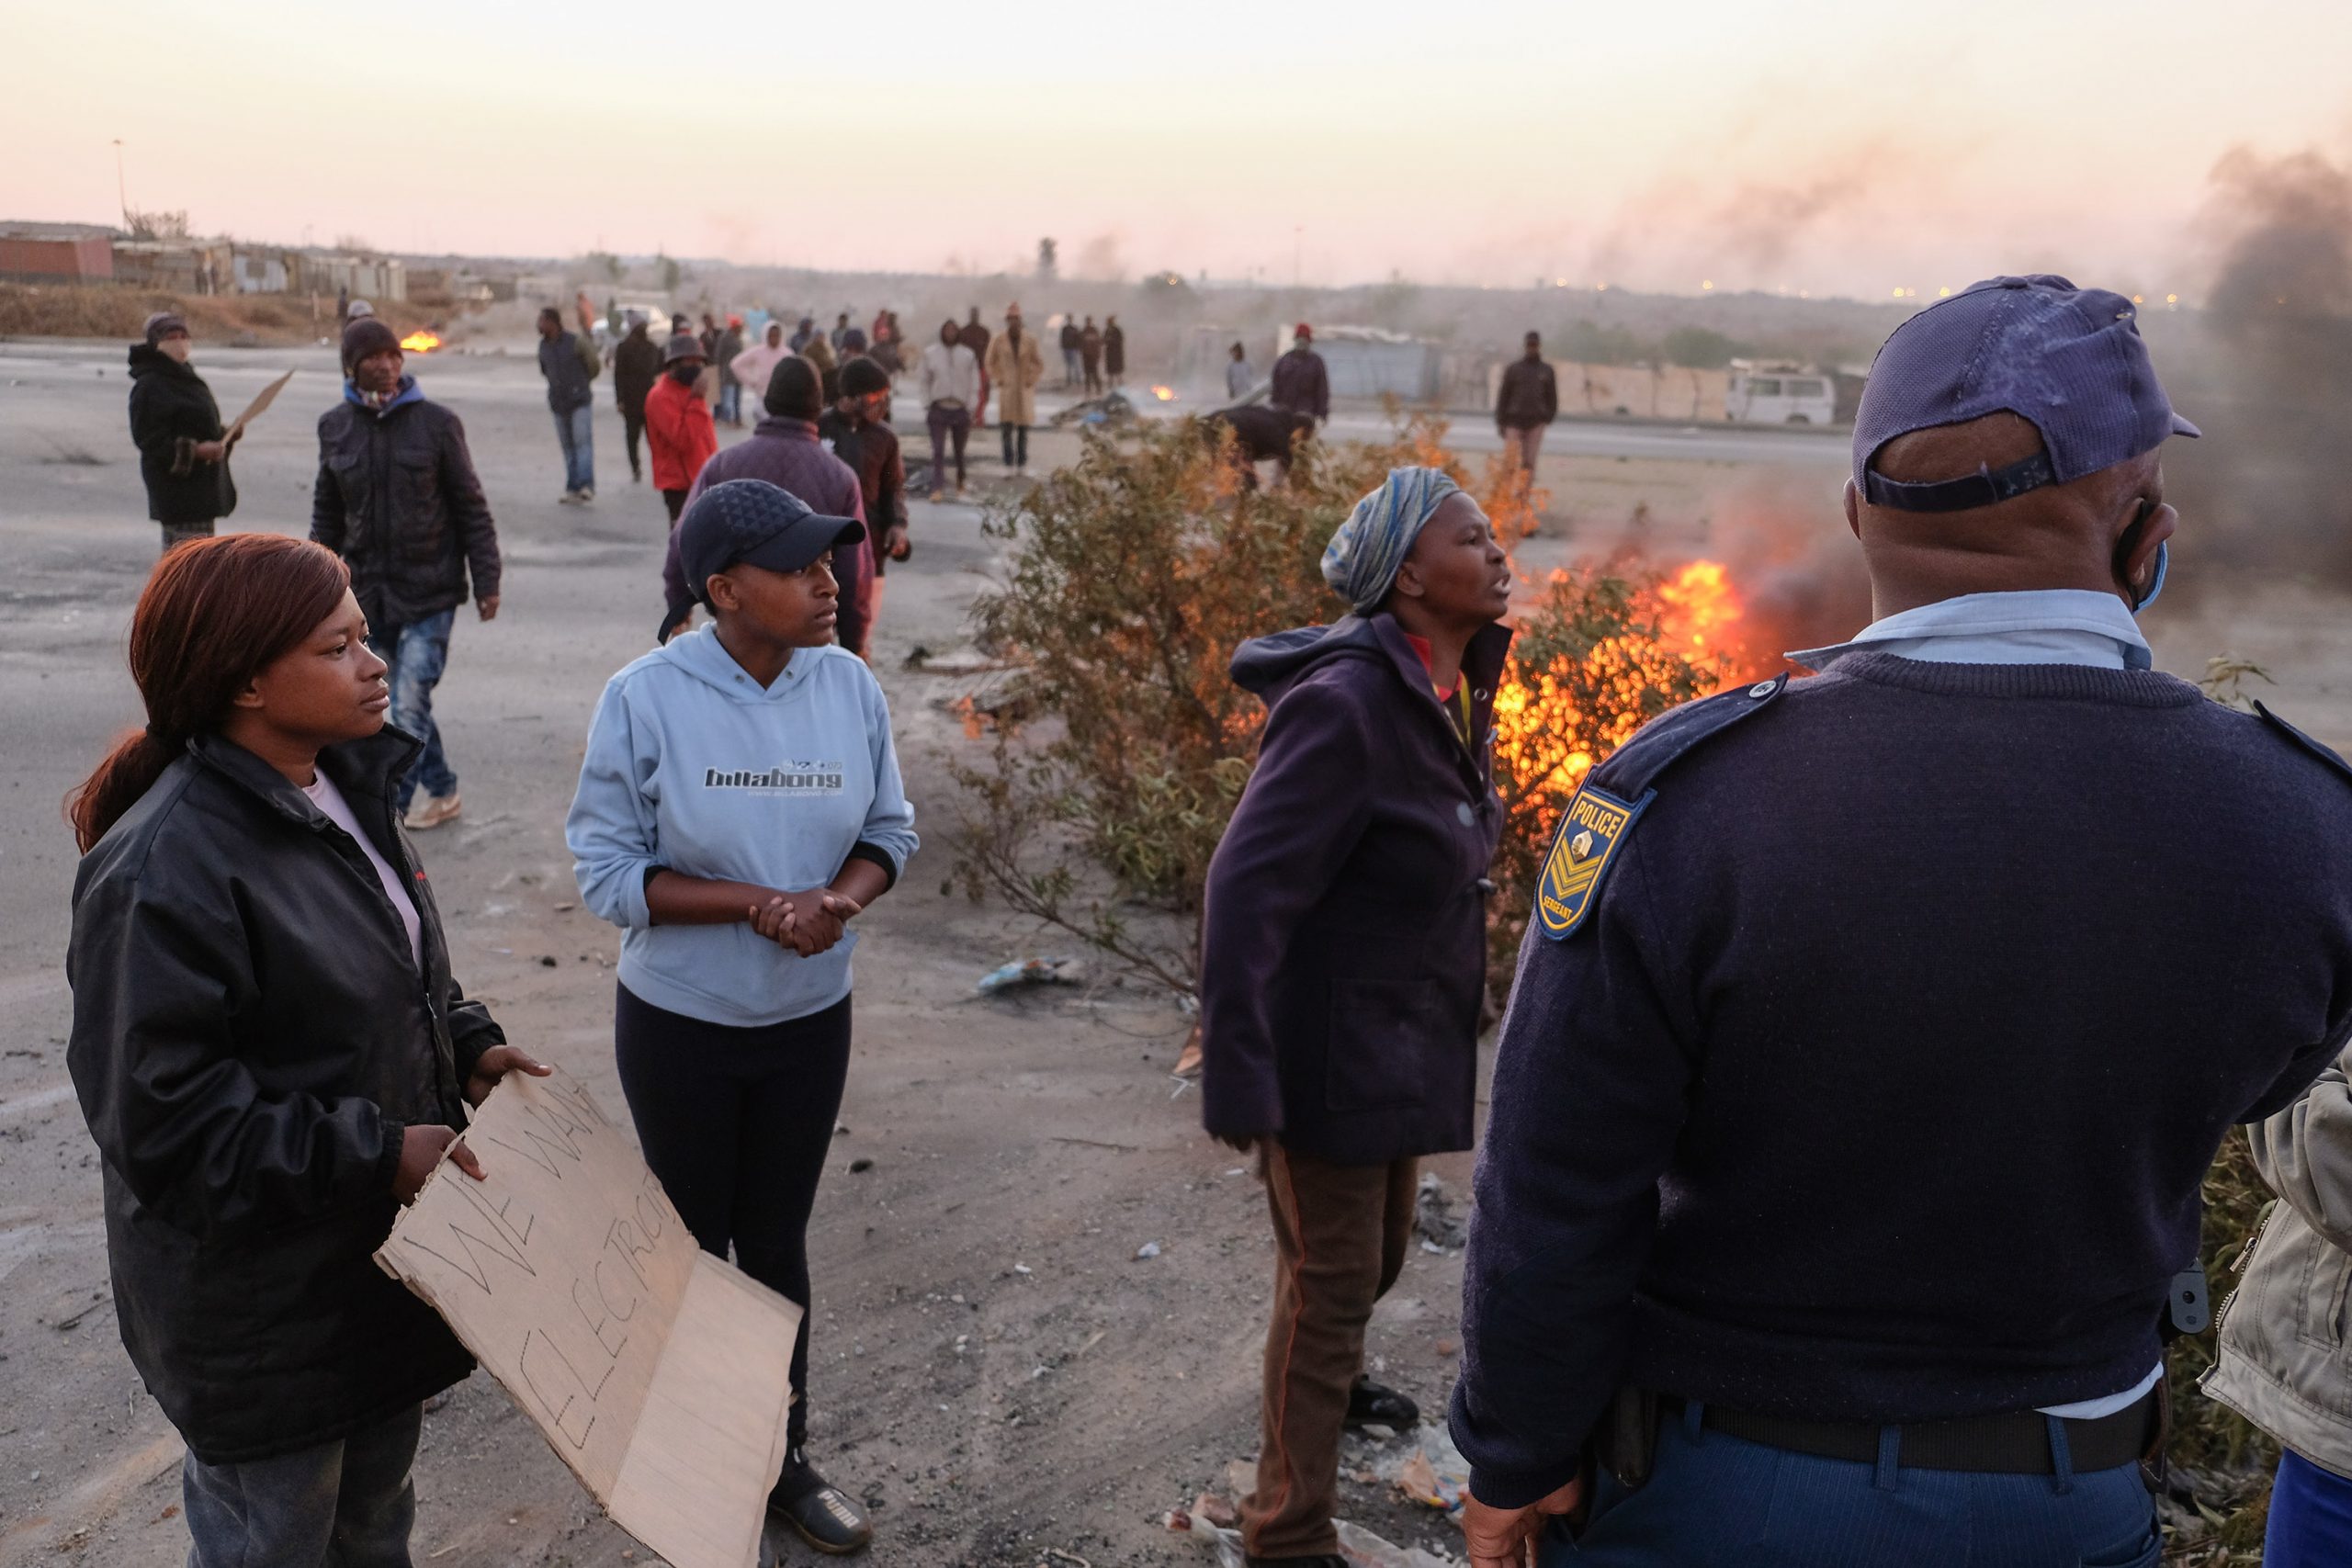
183	452
270	1052
1343	956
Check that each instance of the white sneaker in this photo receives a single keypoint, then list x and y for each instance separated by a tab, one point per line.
569	498
429	811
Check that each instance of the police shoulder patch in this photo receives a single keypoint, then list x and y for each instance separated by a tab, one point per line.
1591	828
1595	824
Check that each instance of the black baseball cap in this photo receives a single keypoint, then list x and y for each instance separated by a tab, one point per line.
751	522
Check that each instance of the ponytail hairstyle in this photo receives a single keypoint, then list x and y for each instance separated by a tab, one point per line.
216	613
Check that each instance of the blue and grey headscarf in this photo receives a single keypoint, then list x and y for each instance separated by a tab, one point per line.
1362	560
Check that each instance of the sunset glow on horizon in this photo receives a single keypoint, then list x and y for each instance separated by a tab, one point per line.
1826	146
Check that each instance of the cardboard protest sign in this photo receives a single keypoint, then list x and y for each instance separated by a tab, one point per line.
254	411
659	1373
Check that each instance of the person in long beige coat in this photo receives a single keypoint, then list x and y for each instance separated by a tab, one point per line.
1015	366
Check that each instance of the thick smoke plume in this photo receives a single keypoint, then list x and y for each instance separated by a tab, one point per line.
2267	374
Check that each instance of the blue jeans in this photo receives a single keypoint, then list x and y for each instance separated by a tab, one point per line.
349	1503
2311	1517
731	403
575	430
1714	1501
418	653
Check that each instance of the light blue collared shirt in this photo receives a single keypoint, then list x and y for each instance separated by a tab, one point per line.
2044	625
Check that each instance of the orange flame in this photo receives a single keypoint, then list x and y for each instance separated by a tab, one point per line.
1554	721
1700	608
422	341
1165	394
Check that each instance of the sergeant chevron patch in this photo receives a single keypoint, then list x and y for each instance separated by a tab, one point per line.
1595	823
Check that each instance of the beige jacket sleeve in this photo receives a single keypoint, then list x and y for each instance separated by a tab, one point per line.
2305	1153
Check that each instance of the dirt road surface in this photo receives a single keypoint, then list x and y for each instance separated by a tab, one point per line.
997	1373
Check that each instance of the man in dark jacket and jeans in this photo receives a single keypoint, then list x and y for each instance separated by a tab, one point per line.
176	425
1528	401
570	361
397	499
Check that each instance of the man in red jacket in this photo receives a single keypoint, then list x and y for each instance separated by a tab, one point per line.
678	428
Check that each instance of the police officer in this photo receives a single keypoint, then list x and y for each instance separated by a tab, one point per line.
1873	1033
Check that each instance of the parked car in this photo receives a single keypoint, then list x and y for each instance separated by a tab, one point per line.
1779	393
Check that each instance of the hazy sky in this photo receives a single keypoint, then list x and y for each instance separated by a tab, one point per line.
1827	145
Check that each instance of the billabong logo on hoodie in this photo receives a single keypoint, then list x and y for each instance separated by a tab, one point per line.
784	778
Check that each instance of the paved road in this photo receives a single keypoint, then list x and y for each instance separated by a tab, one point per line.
513	379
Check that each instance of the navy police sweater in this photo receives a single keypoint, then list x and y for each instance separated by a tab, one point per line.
1878	1079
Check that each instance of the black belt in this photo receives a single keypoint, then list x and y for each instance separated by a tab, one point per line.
2016	1443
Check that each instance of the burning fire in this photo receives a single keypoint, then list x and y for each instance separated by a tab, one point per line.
1556	715
422	341
1165	394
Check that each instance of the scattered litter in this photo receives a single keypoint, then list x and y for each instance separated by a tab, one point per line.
547	959
1188	1060
929	663
1379	1432
860	1166
1111	410
1149	1249
1216	1510
1033	972
1239	1170
1021	1269
1098	1143
1433	1472
565	908
1055	1554
1433	1216
1366	1549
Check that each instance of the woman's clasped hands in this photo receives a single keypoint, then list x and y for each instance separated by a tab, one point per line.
808	923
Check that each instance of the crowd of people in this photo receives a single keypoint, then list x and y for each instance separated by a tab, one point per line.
1871	1037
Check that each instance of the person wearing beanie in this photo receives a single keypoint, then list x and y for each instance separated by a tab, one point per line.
678	425
785	450
1301	383
398	499
857	429
183	451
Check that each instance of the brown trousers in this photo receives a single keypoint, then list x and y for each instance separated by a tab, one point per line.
1340	1233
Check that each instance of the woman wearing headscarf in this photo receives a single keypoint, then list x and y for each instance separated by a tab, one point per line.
1343	956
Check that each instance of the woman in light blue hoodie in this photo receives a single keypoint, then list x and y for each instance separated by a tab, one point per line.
738	806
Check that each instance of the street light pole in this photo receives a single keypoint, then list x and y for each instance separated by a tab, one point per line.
122	186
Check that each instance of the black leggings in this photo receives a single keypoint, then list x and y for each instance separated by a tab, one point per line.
736	1122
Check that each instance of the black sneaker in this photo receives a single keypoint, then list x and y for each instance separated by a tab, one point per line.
1371	1405
821	1511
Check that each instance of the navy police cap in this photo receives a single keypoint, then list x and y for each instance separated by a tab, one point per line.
753	522
2070	361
